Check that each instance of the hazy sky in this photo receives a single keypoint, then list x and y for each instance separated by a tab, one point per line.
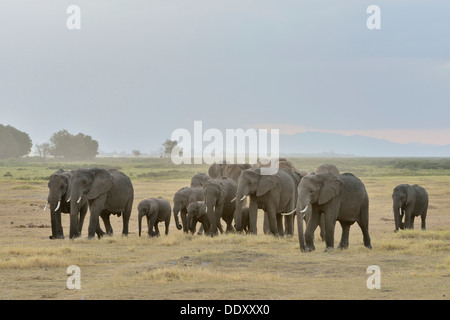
137	70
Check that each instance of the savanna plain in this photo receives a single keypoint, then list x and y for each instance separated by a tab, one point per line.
414	264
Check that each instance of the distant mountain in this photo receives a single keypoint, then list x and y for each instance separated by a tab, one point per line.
329	144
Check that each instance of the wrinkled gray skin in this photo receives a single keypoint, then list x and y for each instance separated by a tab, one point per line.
340	198
217	194
409	202
199	180
156	210
107	192
196	212
272	193
59	191
181	200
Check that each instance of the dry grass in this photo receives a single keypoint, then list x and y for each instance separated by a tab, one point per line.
414	264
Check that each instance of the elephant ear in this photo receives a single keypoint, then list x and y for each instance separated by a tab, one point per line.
103	181
265	184
331	187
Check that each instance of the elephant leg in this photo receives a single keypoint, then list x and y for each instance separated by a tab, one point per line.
156	229
322	227
74	233
95	207
408	213
280	229
412	221
126	217
183	214
330	223
344	238
363	223
253	217
289	225
83	212
271	213
266	225
166	223
106	220
423	217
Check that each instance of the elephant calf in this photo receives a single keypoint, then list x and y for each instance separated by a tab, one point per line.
409	202
156	210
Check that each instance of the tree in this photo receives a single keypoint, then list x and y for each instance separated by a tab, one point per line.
136	153
167	146
43	150
70	147
13	143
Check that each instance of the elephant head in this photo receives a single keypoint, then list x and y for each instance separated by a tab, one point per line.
58	186
196	211
317	189
402	196
251	182
87	184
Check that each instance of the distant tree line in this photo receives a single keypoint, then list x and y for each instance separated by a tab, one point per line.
64	145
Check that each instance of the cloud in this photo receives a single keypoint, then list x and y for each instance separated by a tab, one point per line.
426	136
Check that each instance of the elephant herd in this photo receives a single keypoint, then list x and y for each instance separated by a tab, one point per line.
232	193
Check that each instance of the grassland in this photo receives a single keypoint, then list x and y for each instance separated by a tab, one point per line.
414	264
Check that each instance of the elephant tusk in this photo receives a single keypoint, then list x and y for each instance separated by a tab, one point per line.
233	200
79	199
57	207
46	205
242	199
304	210
68	200
214	208
288	213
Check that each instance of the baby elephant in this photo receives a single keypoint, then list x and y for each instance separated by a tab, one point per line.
409	202
157	210
196	212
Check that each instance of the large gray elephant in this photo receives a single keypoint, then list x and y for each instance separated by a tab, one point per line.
107	192
273	193
181	200
156	210
218	194
340	198
58	196
409	202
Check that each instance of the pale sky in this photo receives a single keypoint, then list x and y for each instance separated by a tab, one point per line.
138	70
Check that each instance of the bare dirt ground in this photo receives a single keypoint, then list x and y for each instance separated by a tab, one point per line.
413	264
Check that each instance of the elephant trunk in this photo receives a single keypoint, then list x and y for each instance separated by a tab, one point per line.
140	215
75	200
176	211
210	203
397	216
301	237
238	216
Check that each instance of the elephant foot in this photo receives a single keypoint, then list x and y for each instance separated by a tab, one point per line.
368	246
329	249
309	248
